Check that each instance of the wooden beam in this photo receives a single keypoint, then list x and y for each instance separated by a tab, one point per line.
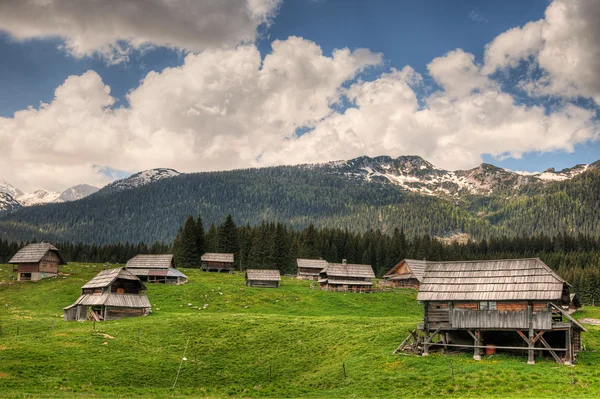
523	336
472	335
538	336
428	339
551	350
406	341
501	347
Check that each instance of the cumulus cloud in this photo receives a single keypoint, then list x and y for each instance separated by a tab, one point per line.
220	110
564	45
228	108
112	27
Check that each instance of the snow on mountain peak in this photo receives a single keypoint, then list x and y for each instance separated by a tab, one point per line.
141	179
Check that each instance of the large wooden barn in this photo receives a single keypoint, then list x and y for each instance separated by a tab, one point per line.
113	294
347	277
37	261
263	278
156	269
508	305
309	269
217	262
407	273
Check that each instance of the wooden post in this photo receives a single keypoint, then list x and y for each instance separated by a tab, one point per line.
476	351
569	346
344	369
138	336
452	370
17	330
530	351
426	328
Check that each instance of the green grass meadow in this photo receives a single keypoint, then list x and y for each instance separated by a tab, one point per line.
250	342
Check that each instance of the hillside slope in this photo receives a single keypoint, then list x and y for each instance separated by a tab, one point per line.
287	342
347	195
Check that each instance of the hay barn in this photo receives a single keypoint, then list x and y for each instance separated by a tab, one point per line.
113	294
263	278
217	262
36	262
514	305
407	273
347	277
309	269
156	269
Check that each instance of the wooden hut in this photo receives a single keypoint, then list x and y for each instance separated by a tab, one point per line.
113	294
156	269
347	277
37	261
309	269
263	278
514	305
217	262
407	273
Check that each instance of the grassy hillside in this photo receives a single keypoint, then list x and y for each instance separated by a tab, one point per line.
250	342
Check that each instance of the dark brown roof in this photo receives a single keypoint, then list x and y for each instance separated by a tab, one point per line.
33	253
217	257
151	262
106	278
263	275
483	280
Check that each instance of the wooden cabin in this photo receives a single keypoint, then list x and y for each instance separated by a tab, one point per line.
156	269
407	273
36	262
310	269
347	277
507	305
217	262
113	294
263	278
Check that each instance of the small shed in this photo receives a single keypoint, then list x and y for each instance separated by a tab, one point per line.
309	269
407	273
37	261
347	277
156	269
113	294
263	278
217	262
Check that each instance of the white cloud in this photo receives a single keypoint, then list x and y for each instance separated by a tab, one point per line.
565	46
112	27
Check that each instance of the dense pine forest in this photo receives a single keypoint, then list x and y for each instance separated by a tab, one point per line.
300	195
276	246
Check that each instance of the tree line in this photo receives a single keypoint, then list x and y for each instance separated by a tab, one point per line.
272	245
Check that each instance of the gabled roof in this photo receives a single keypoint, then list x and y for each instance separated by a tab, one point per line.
417	268
151	261
33	253
312	263
106	278
263	275
217	257
349	270
482	280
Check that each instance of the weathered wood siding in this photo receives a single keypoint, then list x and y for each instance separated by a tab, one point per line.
49	263
490	319
120	313
262	284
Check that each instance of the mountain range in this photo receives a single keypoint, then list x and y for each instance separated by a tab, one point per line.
363	193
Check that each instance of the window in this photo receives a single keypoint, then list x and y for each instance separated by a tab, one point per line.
487	305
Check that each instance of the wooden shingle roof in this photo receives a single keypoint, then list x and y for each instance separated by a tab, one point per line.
496	280
34	253
217	257
417	267
113	300
151	262
106	277
263	275
349	270
312	263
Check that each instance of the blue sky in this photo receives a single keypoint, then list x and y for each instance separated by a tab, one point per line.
405	33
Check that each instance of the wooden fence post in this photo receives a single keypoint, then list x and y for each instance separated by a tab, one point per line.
344	368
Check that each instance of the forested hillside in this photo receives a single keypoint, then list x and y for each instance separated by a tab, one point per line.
299	195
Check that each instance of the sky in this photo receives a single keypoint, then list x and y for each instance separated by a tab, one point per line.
97	91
